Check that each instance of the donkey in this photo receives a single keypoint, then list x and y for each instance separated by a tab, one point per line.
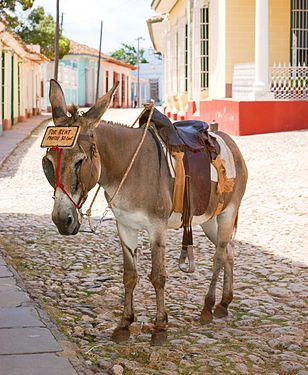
101	156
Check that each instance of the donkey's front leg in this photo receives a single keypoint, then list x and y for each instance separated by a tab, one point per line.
129	241
158	275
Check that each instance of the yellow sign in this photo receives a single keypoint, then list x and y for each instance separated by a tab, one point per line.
61	136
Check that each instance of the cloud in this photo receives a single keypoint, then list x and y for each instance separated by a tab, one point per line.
123	20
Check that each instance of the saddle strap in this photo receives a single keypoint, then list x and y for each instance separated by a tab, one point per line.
179	183
187	215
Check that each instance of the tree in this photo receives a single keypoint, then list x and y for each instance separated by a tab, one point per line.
128	54
40	29
8	7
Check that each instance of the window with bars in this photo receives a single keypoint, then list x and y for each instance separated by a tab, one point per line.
299	32
186	57
107	80
204	47
3	83
154	89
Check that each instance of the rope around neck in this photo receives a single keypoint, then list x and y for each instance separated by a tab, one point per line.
147	106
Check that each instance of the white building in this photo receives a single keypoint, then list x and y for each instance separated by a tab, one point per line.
20	79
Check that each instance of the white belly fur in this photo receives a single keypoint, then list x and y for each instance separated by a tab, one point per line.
175	221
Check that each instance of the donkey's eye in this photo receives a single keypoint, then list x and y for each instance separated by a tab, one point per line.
78	165
75	179
49	171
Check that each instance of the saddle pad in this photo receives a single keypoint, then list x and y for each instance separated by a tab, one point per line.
227	157
225	153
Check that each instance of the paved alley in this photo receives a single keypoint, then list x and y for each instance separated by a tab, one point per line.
77	280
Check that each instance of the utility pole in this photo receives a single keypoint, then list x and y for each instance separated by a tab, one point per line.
99	61
138	69
61	23
57	43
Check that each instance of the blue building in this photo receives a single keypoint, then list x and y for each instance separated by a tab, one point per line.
78	75
85	60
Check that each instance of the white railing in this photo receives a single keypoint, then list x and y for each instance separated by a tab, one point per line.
289	82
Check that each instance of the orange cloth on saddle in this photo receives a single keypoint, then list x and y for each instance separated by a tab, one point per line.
179	183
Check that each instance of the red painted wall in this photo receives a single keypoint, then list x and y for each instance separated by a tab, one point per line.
274	116
244	118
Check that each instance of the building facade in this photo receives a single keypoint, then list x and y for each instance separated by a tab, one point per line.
68	79
84	60
152	75
226	60
144	90
20	79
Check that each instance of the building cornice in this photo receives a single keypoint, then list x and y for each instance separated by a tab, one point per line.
105	59
163	6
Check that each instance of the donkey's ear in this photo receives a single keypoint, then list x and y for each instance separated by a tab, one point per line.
100	107
58	105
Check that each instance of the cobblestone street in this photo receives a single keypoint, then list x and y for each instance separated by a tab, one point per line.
78	279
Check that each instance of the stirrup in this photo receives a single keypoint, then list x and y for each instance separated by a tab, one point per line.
190	266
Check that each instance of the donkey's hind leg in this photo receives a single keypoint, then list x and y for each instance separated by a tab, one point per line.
221	310
129	242
223	258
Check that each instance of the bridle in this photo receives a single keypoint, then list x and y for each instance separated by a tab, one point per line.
58	183
78	205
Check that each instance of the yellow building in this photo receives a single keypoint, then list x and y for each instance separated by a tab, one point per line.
221	60
20	79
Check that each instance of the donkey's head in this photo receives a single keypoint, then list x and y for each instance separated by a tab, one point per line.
73	172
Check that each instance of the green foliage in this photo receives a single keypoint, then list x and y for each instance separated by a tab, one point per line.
40	29
8	7
128	54
64	46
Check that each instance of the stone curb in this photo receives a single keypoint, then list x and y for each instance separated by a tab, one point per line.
24	137
68	350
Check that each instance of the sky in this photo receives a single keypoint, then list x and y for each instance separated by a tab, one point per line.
123	21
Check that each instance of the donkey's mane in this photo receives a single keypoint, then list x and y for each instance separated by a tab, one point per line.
114	124
73	110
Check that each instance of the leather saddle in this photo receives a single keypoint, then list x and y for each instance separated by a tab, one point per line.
191	138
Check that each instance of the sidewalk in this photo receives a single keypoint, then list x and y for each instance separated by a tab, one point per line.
10	139
27	345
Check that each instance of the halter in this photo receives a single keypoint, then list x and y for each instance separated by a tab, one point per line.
58	183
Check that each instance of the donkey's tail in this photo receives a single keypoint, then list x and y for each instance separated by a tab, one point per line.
235	227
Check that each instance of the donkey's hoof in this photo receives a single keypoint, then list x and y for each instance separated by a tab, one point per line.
220	311
120	335
187	268
125	322
206	317
159	337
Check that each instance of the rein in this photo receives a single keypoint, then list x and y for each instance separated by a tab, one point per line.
147	106
57	177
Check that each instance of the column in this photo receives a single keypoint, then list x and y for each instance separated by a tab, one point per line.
120	89
0	89
7	89
261	84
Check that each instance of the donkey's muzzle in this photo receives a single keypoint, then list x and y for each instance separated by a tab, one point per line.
67	224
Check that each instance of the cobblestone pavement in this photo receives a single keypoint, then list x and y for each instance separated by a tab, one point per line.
78	279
